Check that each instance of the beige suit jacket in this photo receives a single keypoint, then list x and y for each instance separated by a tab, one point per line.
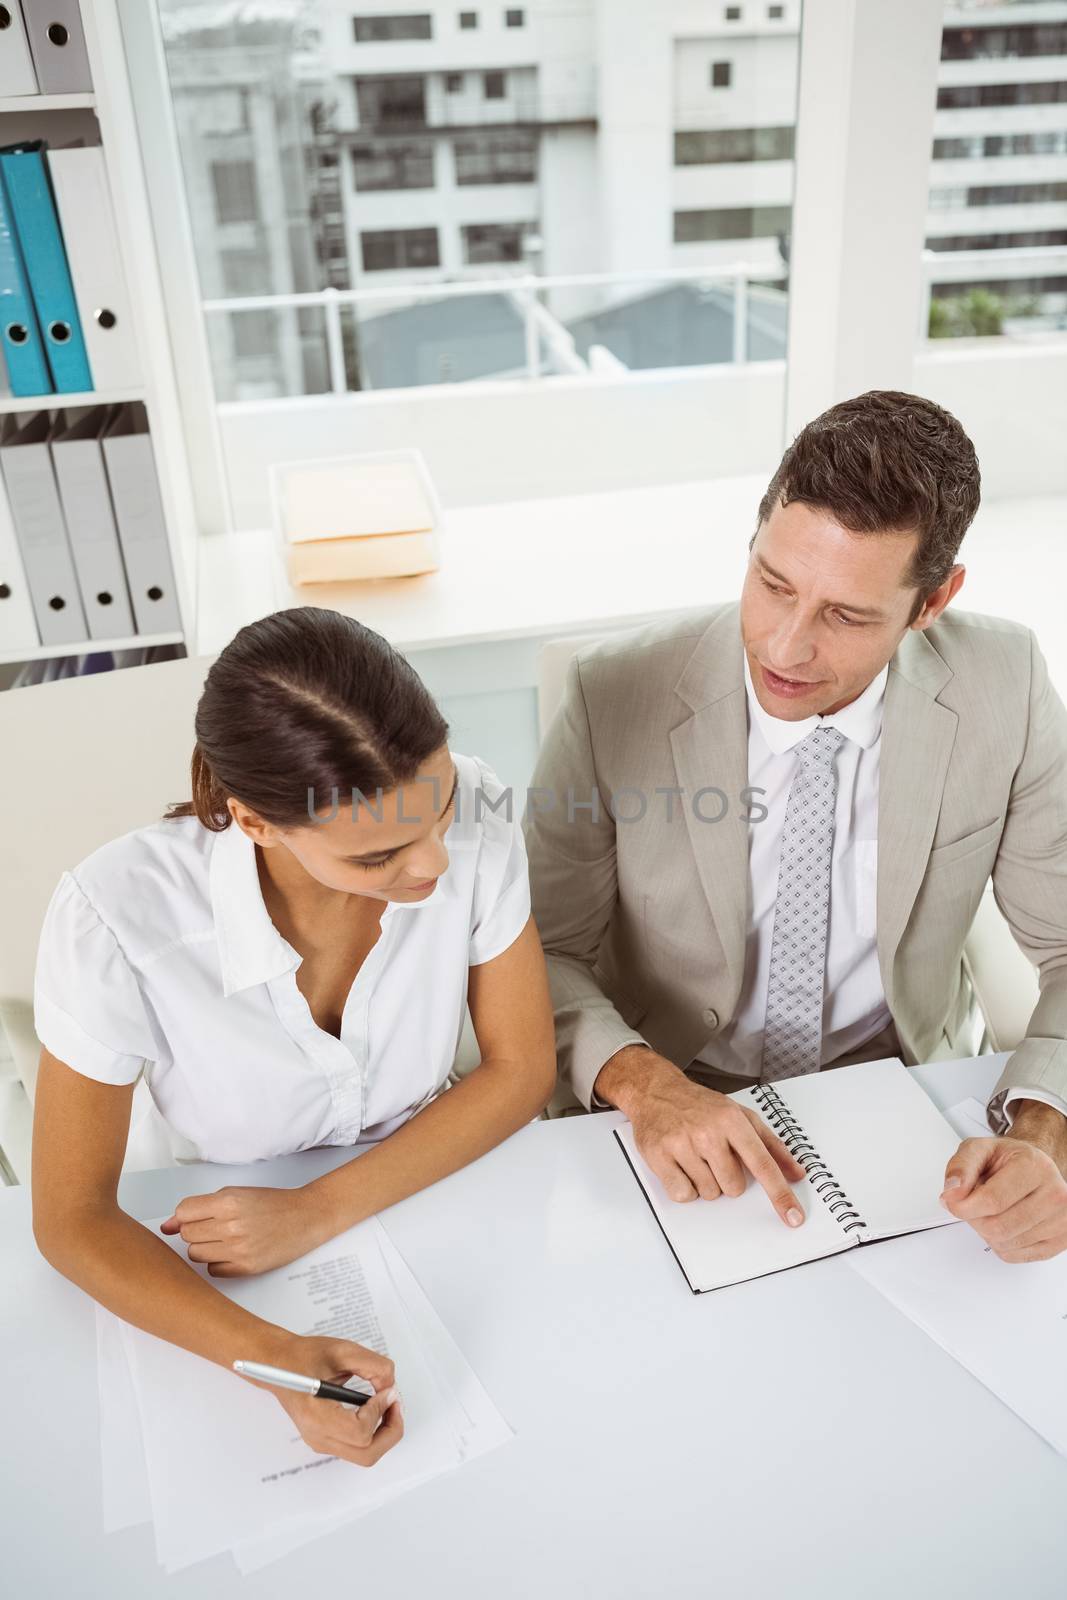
644	920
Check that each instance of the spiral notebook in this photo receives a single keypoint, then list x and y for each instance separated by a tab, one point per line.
874	1148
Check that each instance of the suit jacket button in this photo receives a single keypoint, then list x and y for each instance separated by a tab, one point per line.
711	1017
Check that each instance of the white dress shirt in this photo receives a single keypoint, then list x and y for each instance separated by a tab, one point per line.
854	1009
158	951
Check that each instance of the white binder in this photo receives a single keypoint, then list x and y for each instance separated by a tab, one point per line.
18	631
58	44
17	75
94	541
131	471
83	200
31	487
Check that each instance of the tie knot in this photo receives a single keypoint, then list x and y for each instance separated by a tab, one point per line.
820	747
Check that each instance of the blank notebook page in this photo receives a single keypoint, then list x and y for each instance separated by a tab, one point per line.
882	1136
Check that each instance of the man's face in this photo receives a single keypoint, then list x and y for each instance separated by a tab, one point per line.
823	609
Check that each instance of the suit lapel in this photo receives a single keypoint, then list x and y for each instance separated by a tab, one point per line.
917	738
710	751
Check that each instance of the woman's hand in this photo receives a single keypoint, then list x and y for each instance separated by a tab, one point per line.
361	1435
240	1231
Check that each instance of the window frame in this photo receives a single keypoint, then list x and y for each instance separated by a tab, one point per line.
832	348
377	22
380	234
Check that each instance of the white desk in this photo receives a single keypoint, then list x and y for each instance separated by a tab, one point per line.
867	1462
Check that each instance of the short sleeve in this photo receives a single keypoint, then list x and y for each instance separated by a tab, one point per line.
502	885
88	1009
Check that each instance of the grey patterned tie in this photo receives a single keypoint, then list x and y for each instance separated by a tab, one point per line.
792	1034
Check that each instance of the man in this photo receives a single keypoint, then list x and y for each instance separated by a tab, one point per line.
758	835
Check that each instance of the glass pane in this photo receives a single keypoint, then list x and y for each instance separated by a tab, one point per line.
390	154
996	229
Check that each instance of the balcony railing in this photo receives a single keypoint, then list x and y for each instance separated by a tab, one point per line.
523	289
549	346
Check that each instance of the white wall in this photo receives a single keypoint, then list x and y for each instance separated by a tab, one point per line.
1013	405
491	442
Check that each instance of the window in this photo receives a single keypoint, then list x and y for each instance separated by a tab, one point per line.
391	102
998	241
734	222
776	13
1048	142
496	158
968	95
1015	63
1024	39
345	165
732	144
720	74
236	198
492	241
997	194
375	30
393	249
998	286
393	164
946	199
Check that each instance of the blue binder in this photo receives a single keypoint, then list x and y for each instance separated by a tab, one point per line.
23	350
33	208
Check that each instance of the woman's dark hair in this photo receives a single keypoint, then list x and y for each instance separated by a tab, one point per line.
300	704
887	462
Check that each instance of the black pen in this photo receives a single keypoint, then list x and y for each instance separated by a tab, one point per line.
294	1380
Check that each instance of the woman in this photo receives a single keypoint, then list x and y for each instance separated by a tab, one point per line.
287	958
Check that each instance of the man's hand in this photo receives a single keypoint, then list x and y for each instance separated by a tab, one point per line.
697	1141
238	1231
1013	1191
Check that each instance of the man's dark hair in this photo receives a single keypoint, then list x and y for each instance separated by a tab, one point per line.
887	462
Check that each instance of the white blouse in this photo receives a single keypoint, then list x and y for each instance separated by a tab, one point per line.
158	951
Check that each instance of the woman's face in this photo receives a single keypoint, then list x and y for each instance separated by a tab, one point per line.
388	847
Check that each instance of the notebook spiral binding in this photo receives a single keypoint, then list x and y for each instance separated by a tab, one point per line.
800	1147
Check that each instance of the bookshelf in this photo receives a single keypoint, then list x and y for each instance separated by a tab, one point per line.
47	102
59	402
105	116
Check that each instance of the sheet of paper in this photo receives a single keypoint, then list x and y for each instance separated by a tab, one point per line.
970	1119
487	1428
225	1463
1006	1324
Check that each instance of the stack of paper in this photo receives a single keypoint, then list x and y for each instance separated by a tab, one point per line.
216	1464
364	516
